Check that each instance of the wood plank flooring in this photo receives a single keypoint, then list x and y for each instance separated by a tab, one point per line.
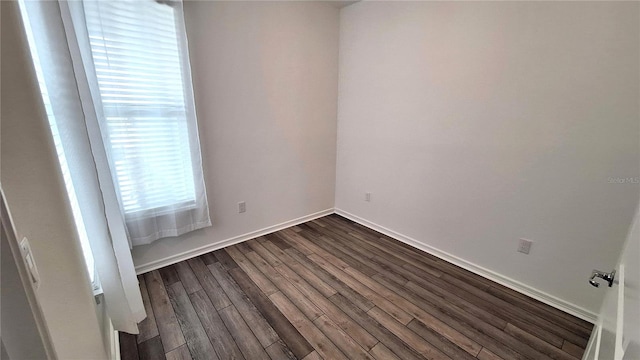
334	289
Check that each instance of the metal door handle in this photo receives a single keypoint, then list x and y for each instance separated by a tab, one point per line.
608	277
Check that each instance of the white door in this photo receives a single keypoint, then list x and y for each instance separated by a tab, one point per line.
617	334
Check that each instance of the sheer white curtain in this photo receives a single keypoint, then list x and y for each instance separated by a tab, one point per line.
135	60
104	227
117	81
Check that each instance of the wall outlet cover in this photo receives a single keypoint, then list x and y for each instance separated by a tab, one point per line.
524	246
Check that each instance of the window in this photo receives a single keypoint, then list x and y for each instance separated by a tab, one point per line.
136	76
136	54
126	127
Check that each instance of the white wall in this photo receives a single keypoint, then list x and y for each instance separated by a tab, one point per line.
35	194
20	333
474	124
265	81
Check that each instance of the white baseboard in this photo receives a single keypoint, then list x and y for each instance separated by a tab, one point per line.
476	269
114	343
479	270
592	350
157	264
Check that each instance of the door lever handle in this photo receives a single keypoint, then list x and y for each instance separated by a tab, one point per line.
608	277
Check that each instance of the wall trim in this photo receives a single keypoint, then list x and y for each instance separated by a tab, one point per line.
115	343
513	284
156	264
592	351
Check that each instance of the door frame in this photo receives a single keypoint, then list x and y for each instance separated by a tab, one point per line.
7	227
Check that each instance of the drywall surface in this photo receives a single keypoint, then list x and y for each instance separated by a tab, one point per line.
35	194
474	124
19	328
265	82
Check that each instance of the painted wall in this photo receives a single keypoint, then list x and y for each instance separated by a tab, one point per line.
475	124
265	83
19	328
35	194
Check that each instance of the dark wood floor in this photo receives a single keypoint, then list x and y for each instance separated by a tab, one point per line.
333	289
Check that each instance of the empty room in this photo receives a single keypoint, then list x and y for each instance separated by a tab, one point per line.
188	179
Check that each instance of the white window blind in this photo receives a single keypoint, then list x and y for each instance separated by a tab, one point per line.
136	61
138	66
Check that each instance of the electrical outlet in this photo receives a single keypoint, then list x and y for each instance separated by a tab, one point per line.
242	207
524	246
367	196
